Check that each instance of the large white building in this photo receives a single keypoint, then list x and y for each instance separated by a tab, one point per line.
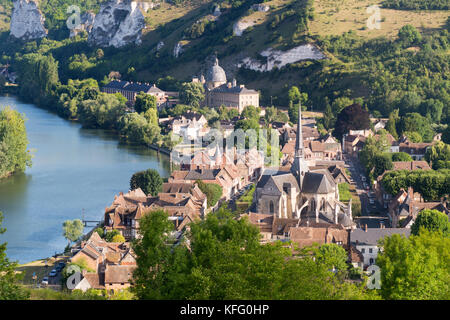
220	92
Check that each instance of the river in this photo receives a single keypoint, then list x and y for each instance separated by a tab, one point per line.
74	170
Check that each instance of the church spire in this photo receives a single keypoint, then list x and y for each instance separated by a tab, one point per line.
299	167
299	137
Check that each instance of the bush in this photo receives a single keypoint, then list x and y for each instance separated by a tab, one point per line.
118	238
111	234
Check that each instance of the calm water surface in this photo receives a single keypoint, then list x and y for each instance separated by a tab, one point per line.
73	169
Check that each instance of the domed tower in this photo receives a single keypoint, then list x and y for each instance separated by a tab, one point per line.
215	76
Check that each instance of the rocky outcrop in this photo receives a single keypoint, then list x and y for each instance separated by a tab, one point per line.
86	24
178	49
240	26
27	21
118	23
281	58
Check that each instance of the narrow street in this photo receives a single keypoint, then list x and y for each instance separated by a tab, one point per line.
370	208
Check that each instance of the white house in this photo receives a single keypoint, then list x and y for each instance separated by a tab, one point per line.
366	241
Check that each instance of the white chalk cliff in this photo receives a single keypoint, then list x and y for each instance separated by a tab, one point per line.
27	21
281	58
240	26
118	23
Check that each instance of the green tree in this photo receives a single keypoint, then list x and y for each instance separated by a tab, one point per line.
438	152
401	156
446	135
144	102
73	230
14	156
225	260
415	268
10	289
413	136
431	220
392	123
409	35
328	118
251	113
149	181
100	232
110	235
154	257
332	256
414	122
192	93
382	162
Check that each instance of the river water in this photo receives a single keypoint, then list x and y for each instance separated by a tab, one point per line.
74	171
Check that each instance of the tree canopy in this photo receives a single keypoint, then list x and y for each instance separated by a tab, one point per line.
14	156
10	289
415	268
73	230
149	181
227	261
353	117
431	220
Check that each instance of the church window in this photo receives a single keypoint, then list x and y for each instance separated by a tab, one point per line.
271	207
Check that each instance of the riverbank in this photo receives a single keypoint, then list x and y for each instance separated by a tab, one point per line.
73	169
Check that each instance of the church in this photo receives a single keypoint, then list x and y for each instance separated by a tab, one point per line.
219	92
311	196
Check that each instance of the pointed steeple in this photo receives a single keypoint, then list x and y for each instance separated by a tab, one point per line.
299	137
299	167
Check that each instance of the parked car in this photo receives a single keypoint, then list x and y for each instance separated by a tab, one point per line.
44	281
363	178
371	201
53	273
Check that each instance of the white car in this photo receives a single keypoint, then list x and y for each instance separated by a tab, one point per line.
363	178
44	281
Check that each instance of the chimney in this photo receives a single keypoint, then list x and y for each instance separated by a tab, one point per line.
234	83
365	227
229	85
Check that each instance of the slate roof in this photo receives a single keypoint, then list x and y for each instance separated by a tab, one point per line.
216	73
204	174
133	86
372	235
237	89
279	178
315	182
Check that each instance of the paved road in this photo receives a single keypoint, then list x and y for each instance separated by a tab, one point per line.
367	209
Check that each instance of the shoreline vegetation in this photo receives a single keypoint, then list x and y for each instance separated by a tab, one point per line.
14	156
